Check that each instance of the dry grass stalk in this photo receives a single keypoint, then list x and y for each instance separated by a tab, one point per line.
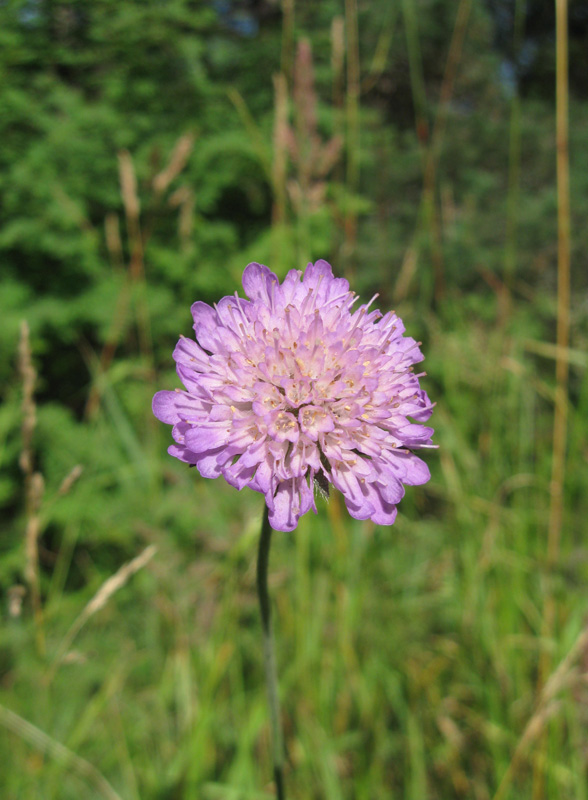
305	102
514	164
565	676
177	162
406	274
312	158
280	159
102	596
353	92
288	13
35	491
534	728
338	59
379	60
34	484
29	411
132	206
113	240
130	198
45	744
138	234
563	293
560	419
183	198
577	358
70	479
16	595
352	131
128	186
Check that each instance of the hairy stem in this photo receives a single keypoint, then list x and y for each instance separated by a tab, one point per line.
269	656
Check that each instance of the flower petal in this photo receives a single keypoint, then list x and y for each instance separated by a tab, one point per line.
164	407
293	498
257	282
207	436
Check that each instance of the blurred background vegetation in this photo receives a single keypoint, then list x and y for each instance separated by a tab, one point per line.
148	151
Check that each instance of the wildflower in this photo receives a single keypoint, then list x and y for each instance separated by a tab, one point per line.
291	390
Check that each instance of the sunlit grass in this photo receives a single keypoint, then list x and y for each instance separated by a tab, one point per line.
408	654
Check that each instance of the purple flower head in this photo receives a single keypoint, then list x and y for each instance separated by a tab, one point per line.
292	390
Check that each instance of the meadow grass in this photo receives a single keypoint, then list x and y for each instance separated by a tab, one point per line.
408	656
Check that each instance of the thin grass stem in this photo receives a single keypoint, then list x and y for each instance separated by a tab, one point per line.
431	142
537	726
34	484
514	161
287	55
353	130
560	417
51	747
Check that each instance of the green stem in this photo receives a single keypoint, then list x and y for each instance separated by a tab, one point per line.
269	658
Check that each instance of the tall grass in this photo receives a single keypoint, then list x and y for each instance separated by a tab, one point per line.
407	655
560	420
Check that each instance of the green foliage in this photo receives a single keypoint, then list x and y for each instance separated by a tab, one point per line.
408	656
